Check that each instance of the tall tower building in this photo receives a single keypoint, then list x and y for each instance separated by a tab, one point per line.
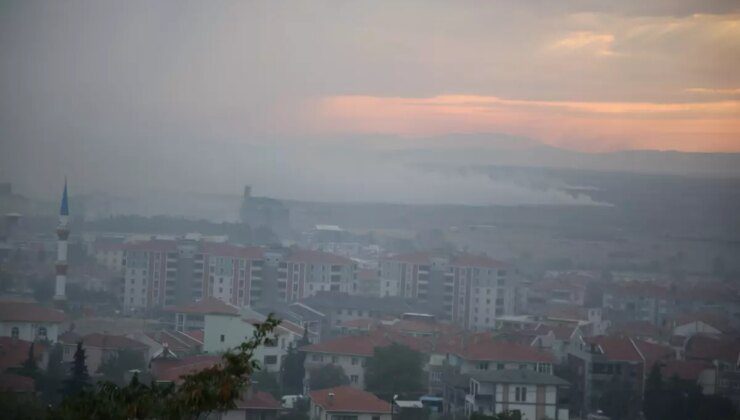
62	237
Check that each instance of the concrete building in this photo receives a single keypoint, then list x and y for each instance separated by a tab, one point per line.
534	395
470	290
161	273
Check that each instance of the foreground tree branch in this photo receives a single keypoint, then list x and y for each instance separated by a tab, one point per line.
212	389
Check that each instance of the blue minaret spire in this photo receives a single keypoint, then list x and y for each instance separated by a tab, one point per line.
64	209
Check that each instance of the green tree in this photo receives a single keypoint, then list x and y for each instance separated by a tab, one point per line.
263	380
328	376
20	407
49	383
30	368
653	404
115	368
79	379
212	389
294	370
298	412
395	369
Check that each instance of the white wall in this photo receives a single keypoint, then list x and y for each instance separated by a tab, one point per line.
28	331
235	331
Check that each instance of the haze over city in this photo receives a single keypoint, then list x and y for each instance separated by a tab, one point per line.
370	210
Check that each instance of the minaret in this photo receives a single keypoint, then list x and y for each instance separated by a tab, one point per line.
62	236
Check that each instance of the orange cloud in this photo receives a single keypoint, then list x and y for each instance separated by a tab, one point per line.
587	126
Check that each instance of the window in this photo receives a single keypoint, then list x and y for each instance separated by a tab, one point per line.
355	361
223	338
317	358
270	360
376	418
354	378
41	332
335	359
521	393
483	366
345	417
14	332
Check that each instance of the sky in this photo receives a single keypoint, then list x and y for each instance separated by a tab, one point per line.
216	94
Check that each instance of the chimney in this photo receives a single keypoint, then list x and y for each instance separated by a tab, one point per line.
330	398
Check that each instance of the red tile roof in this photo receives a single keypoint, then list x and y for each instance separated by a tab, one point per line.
29	312
685	369
109	341
561	332
14	352
197	335
349	400
616	348
365	344
704	347
175	370
652	352
482	347
260	400
16	383
207	305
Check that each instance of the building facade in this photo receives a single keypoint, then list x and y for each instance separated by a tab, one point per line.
470	290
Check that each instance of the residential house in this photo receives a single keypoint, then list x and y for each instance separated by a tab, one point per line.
254	405
99	348
347	403
534	395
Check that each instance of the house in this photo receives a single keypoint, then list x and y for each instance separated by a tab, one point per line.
14	352
347	403
166	366
483	352
227	330
351	352
29	321
100	347
533	394
255	405
604	364
17	384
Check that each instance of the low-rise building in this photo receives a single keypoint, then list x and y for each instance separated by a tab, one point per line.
100	348
29	321
347	403
533	394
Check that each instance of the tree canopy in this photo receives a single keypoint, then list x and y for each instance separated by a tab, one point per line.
212	389
115	368
395	369
328	376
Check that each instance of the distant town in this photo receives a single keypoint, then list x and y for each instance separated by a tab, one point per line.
488	335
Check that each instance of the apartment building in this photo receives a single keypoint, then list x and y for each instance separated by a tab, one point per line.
470	290
160	273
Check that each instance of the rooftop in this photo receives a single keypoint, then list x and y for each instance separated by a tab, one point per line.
518	376
29	312
207	305
349	400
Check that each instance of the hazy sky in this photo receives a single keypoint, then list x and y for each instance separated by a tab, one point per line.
216	94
